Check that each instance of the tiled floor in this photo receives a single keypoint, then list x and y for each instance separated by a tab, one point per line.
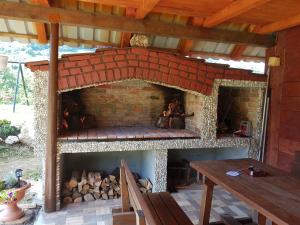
99	212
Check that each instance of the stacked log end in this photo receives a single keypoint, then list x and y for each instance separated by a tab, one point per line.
94	185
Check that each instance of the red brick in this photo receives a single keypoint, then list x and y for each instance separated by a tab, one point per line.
95	60
122	51
173	65
174	72
182	67
44	68
163	62
213	69
80	80
183	74
201	77
88	78
122	64
64	73
138	73
153	54
131	56
124	72
99	67
191	63
60	66
110	75
131	72
158	76
102	75
83	63
111	65
192	70
109	52
95	77
154	66
164	78
153	60
63	84
143	58
193	86
139	51
87	69
210	75
209	81
193	77
151	75
187	84
120	57
209	90
78	57
108	59
74	71
144	64
202	67
133	63
145	74
117	74
72	81
164	69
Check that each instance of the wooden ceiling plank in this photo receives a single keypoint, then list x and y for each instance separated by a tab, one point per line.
145	8
45	14
234	9
126	36
279	25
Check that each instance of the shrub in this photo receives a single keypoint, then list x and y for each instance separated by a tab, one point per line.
10	181
6	129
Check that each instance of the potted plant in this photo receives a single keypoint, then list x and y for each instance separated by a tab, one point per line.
12	190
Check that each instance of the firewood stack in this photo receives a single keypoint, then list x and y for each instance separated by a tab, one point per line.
94	185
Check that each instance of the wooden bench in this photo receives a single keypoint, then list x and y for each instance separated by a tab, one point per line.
141	209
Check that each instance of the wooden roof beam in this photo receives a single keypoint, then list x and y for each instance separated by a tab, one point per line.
186	45
145	8
72	17
238	50
236	8
126	36
41	27
279	25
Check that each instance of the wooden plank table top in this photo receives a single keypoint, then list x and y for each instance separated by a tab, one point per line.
276	196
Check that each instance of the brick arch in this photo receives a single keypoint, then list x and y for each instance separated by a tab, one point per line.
110	65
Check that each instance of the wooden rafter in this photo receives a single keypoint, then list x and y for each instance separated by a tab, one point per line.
145	8
41	27
125	36
238	50
186	45
234	9
64	16
279	25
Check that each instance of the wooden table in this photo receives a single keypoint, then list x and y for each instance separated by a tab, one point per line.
276	197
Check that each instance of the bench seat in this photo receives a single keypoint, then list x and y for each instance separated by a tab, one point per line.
165	208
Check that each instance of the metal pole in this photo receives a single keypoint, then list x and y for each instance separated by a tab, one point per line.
23	81
16	90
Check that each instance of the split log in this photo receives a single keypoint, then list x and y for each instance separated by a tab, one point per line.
85	189
97	176
82	182
91	178
97	195
67	200
110	192
76	194
78	199
67	186
112	178
66	192
88	197
104	196
74	179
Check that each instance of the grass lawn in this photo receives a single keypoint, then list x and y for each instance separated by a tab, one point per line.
19	156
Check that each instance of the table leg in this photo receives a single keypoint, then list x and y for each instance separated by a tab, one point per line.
261	219
208	188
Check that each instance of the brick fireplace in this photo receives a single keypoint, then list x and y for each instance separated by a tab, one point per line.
125	90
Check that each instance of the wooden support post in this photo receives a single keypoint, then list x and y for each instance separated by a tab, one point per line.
50	166
261	219
124	191
208	189
124	218
140	218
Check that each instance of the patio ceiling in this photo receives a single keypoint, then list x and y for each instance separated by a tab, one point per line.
215	22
